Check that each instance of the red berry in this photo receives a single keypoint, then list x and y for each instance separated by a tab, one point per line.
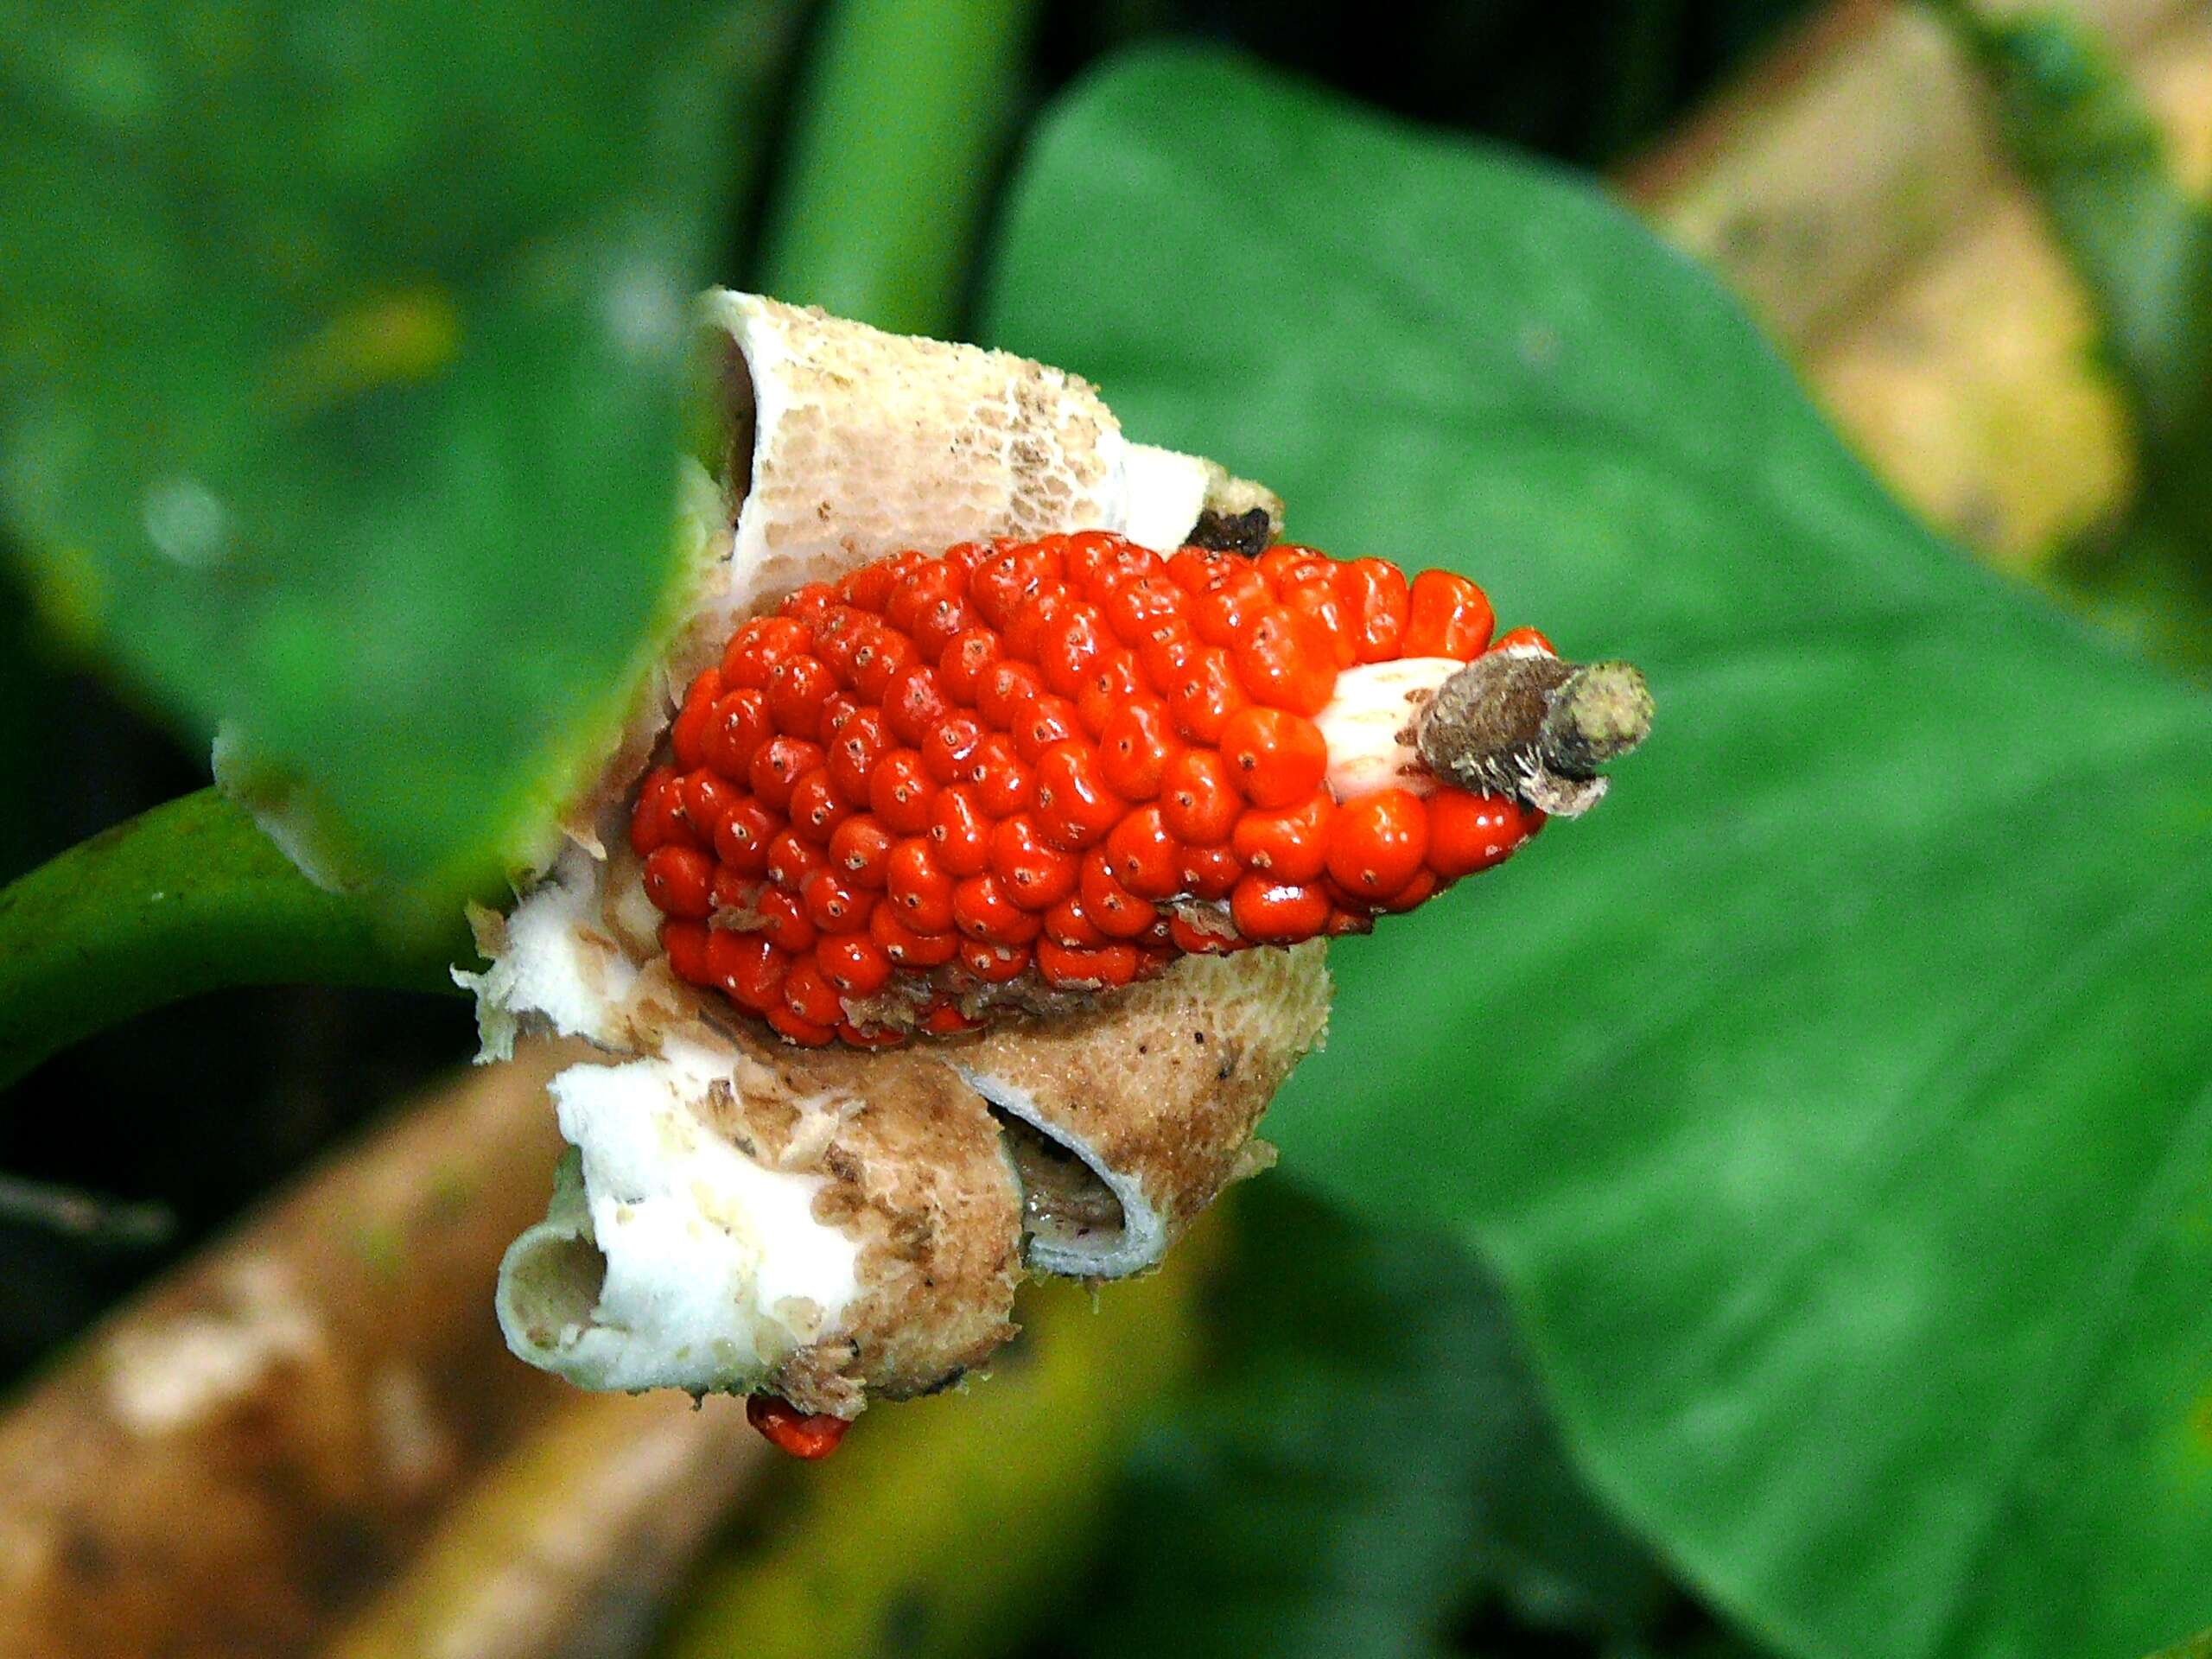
659	817
801	1030
1198	800
860	851
742	838
947	747
817	808
1221	613
1070	645
749	968
903	946
1207	696
1277	759
945	1019
902	793
1449	617
1522	638
788	926
960	833
791	859
1289	844
968	656
1074	807
1287	661
994	963
1067	923
1004	690
1100	969
914	707
708	799
1137	607
1134	749
1380	602
833	904
777	764
737	727
856	966
687	737
1378	842
688	944
753	653
1277	912
1109	906
679	881
880	658
1143	856
1468	832
1317	598
791	1431
919	888
856	751
1211	872
1001	783
983	908
798	688
1033	872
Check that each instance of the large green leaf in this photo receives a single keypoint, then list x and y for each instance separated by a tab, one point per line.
1835	1101
339	348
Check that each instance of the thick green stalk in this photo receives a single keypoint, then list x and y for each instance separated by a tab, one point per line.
189	897
903	109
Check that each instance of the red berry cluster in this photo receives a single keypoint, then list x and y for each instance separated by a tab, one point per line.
1007	762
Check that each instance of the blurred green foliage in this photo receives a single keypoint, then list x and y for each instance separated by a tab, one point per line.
1834	1101
338	369
1366	1468
2084	136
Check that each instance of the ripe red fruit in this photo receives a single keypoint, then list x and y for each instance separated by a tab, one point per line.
1277	912
1449	617
1047	761
1378	842
679	881
1134	748
792	1431
659	817
1033	872
1277	759
1469	832
1288	660
1074	806
1199	799
1289	844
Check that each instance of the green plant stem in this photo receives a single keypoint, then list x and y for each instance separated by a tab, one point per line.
189	897
903	109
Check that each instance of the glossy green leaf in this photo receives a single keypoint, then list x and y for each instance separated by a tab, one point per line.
1366	1464
1837	1100
339	357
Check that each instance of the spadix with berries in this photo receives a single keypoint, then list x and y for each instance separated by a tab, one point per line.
957	899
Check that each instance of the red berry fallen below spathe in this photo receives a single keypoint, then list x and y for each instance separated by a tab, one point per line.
1021	771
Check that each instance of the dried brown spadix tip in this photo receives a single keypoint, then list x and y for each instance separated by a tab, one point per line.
1524	723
